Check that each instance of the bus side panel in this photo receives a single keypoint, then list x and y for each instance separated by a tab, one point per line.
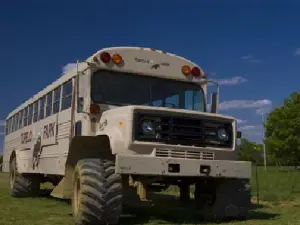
12	142
52	157
46	154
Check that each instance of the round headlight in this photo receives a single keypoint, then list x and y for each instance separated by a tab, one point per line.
222	134
147	127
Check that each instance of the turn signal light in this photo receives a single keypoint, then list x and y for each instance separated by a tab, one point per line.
186	70
117	59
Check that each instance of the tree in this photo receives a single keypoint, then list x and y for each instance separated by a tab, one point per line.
282	131
1	159
250	151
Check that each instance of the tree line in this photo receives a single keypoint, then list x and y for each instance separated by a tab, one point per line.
282	136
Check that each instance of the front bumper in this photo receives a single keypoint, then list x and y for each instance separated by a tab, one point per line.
142	165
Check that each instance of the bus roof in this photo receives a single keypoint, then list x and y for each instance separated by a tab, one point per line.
137	63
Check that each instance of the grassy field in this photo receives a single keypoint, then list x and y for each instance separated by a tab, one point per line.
279	194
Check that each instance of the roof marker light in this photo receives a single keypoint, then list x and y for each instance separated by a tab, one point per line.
105	57
186	70
196	72
117	59
95	59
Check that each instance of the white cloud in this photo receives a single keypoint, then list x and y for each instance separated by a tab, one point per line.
2	122
250	58
246	57
69	66
239	121
231	81
263	110
244	104
251	128
297	52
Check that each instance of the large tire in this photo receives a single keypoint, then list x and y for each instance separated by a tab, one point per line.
231	199
22	185
97	193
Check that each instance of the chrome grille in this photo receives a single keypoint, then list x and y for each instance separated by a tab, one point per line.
184	154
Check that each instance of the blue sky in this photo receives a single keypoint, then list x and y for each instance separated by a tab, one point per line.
252	48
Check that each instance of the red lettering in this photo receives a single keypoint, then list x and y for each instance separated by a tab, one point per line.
45	135
49	130
26	137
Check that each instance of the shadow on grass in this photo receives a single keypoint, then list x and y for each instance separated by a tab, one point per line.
168	211
45	192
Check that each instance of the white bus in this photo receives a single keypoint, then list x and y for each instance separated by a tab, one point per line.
126	117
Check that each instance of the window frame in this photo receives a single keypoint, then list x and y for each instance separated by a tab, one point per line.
65	96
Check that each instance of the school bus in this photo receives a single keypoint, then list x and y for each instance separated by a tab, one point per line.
127	118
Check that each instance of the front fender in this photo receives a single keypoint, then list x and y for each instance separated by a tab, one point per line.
118	128
116	139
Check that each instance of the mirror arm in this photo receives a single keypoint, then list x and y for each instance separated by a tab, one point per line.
215	96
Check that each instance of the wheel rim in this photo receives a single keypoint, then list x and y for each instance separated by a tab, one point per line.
77	196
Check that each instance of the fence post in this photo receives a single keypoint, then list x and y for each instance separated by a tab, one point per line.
257	184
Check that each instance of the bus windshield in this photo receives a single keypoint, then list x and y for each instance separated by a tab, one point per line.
117	88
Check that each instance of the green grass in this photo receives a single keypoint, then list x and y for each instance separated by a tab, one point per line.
280	205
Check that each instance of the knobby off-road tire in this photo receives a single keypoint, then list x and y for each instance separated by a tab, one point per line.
231	200
22	185
97	193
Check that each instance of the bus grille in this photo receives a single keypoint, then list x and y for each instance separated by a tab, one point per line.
184	154
187	131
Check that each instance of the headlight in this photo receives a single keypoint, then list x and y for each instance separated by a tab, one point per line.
148	127
222	134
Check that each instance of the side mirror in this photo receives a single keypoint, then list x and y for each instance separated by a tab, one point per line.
238	134
214	102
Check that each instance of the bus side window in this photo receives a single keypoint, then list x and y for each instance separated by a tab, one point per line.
56	100
16	121
49	104
21	119
13	124
6	127
67	95
25	117
30	111
35	111
9	125
42	108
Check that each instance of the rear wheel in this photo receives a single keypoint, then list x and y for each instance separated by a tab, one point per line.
22	185
97	193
